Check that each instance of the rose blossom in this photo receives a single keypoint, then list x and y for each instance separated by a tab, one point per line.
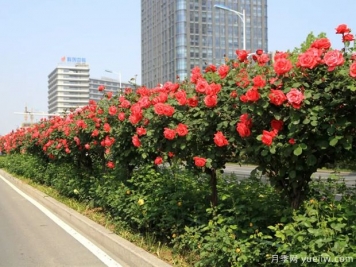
277	97
220	140
252	95
244	118
223	71
352	71
333	59
282	66
136	141
141	131
169	133
267	137
182	129
158	160
243	129
348	37
342	28
277	124
291	141
295	97
199	162
211	101
322	43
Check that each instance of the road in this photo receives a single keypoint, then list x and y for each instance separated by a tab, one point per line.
245	170
30	238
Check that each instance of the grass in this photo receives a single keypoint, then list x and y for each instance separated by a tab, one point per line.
98	215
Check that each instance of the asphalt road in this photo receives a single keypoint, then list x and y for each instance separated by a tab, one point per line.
29	238
245	171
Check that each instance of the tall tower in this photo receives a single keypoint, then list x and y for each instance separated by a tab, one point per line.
177	35
68	88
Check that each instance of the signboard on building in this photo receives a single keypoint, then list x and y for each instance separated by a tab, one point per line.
74	60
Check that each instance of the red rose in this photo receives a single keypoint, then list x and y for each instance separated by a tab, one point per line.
136	141
87	146
220	140
262	59
259	52
158	160
168	110
125	104
199	162
201	86
333	59
210	68
291	141
322	43
241	55
277	125
233	94
223	71
181	97
245	118
342	28
193	101
110	165
295	98
112	110
309	59
213	89
135	118
259	81
211	101
141	131
243	130
95	133
282	66
106	127
195	75
169	133
352	71
252	95
101	88
277	97
243	98
267	137
108	95
348	37
121	116
280	55
182	129
170	154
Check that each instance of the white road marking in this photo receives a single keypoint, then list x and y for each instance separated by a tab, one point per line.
100	254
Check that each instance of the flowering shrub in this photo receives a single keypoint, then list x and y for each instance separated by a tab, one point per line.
291	117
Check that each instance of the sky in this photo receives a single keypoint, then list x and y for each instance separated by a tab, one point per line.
36	34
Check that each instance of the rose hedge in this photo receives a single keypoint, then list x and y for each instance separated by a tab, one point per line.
291	116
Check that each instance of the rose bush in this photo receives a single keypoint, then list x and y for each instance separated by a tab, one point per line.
291	115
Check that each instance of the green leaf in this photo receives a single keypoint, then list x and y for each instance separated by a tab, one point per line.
298	151
264	153
311	160
333	141
272	150
322	144
292	174
314	123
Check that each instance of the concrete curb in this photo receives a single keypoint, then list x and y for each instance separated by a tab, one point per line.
130	254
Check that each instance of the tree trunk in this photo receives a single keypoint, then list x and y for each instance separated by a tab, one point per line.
213	185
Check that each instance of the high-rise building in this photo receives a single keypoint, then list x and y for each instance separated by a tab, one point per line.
177	35
68	87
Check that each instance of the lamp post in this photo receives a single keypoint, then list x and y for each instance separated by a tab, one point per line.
117	73
241	16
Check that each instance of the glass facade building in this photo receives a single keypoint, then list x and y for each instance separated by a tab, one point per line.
177	35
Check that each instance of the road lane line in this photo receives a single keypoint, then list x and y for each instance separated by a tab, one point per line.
100	254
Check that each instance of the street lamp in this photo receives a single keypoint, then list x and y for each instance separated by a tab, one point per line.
241	16
117	73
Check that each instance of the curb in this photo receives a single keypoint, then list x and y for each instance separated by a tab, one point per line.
129	253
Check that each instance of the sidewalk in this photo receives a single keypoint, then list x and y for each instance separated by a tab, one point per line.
127	252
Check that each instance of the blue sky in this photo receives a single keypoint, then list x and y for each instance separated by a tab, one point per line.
35	34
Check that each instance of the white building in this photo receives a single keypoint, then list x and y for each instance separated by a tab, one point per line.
68	88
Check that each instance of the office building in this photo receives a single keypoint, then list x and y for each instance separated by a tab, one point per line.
177	35
70	87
